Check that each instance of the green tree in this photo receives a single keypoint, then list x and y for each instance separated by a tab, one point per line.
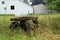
53	4
58	5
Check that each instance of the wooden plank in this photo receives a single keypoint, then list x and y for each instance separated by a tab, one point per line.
23	18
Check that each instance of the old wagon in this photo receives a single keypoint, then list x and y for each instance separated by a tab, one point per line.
22	22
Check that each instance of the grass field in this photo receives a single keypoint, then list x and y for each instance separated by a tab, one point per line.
49	29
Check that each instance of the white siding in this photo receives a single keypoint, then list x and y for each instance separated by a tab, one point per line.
20	8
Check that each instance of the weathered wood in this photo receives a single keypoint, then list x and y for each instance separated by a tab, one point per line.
23	18
13	25
22	22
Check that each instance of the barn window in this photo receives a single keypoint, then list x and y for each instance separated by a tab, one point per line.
12	7
3	2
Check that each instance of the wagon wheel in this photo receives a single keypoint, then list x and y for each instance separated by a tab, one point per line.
28	28
13	25
35	23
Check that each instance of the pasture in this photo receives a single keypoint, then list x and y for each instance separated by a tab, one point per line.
49	29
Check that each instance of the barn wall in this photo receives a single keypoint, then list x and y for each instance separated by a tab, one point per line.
40	9
20	8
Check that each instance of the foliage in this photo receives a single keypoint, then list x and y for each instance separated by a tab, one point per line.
58	5
53	4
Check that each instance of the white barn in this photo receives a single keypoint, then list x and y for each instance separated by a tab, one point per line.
19	8
14	7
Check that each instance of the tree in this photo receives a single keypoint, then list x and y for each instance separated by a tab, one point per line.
58	5
51	4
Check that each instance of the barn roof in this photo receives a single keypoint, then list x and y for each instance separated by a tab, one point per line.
36	2
26	3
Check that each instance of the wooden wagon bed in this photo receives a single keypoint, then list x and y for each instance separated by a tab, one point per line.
23	18
21	21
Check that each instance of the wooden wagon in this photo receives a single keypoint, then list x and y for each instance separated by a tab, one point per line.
21	21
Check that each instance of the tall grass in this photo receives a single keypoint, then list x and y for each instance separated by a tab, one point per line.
49	29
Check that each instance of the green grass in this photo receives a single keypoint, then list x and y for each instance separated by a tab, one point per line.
49	29
7	15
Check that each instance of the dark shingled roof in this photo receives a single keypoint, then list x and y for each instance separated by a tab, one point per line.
36	2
